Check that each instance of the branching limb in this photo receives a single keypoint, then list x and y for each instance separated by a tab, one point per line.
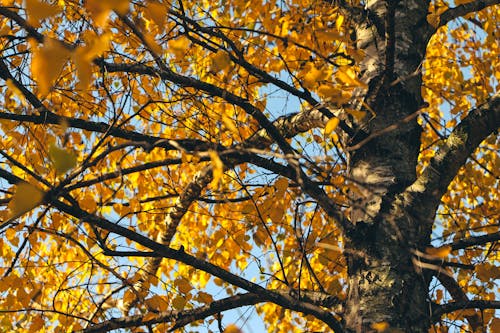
430	186
180	319
284	300
459	295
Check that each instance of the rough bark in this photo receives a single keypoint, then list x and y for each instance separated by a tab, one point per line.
383	284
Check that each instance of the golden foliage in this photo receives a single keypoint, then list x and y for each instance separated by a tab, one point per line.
145	105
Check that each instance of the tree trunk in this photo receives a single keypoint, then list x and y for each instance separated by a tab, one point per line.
384	285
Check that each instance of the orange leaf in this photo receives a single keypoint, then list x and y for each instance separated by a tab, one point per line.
440	252
232	328
380	326
157	12
38	11
11	236
220	61
183	285
47	64
179	302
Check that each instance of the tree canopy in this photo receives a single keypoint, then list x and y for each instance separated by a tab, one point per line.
332	164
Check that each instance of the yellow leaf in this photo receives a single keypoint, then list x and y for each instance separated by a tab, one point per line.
380	326
218	167
25	199
95	45
348	76
220	61
228	122
100	9
11	236
327	90
440	252
82	57
331	125
62	159
313	76
47	63
38	11
83	69
15	90
339	22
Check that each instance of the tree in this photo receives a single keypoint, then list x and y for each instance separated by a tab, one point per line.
333	163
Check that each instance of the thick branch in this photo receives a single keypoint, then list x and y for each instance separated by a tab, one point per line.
48	117
475	241
32	32
210	89
459	295
452	155
183	318
180	318
457	306
462	10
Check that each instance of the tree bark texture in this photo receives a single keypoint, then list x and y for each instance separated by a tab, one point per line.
384	285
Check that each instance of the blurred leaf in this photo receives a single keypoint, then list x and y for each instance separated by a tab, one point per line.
62	159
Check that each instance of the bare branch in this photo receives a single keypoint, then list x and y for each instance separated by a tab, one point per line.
464	9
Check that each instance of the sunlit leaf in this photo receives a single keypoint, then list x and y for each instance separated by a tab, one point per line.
15	90
331	125
100	10
218	168
348	76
